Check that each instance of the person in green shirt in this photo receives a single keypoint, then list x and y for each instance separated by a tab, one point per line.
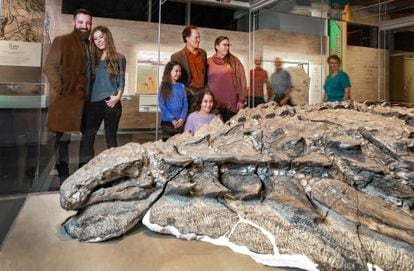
337	85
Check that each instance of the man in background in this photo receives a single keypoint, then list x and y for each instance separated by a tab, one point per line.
281	83
258	79
193	61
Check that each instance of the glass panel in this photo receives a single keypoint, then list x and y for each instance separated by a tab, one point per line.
373	38
21	106
295	36
375	12
386	27
212	19
373	42
309	8
398	41
364	58
22	98
135	36
379	25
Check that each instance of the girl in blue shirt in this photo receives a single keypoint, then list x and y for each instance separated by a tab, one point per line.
172	100
337	85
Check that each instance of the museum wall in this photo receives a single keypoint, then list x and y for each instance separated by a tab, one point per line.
397	72
368	69
409	78
402	78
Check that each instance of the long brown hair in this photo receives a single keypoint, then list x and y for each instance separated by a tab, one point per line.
229	57
112	65
166	86
197	105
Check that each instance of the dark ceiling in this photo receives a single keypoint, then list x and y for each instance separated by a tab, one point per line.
370	12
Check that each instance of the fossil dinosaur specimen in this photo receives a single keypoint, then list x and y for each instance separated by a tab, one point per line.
326	187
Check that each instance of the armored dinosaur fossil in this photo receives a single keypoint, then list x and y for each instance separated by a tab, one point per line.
326	187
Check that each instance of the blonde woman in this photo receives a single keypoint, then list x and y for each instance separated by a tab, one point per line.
108	67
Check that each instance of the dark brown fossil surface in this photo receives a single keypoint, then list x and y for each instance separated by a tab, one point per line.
328	187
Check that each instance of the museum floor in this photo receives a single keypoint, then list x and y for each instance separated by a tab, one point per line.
31	237
37	242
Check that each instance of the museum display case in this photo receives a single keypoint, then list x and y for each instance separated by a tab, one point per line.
369	35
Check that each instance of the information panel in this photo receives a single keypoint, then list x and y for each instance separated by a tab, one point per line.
17	53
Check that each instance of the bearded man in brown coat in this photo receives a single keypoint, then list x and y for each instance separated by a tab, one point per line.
67	69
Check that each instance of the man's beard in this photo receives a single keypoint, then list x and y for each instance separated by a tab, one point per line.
83	35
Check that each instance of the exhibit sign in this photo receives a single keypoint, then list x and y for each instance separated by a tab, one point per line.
17	53
148	103
316	88
150	66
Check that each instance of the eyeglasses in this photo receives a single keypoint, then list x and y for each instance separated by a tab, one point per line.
225	44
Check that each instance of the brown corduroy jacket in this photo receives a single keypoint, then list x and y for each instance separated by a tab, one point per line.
65	69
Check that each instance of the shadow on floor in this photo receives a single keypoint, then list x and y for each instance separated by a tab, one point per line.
9	208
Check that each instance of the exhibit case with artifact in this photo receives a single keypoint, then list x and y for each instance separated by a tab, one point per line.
309	184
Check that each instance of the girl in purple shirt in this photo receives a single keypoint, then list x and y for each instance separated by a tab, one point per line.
203	112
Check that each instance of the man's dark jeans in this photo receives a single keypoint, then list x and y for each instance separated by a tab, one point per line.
62	141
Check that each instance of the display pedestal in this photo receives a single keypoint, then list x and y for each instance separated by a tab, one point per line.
36	241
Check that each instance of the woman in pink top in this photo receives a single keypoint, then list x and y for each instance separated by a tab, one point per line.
226	79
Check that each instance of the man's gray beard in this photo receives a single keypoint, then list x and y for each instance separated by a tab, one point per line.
83	35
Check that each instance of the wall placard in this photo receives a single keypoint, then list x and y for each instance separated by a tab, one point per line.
17	53
148	103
